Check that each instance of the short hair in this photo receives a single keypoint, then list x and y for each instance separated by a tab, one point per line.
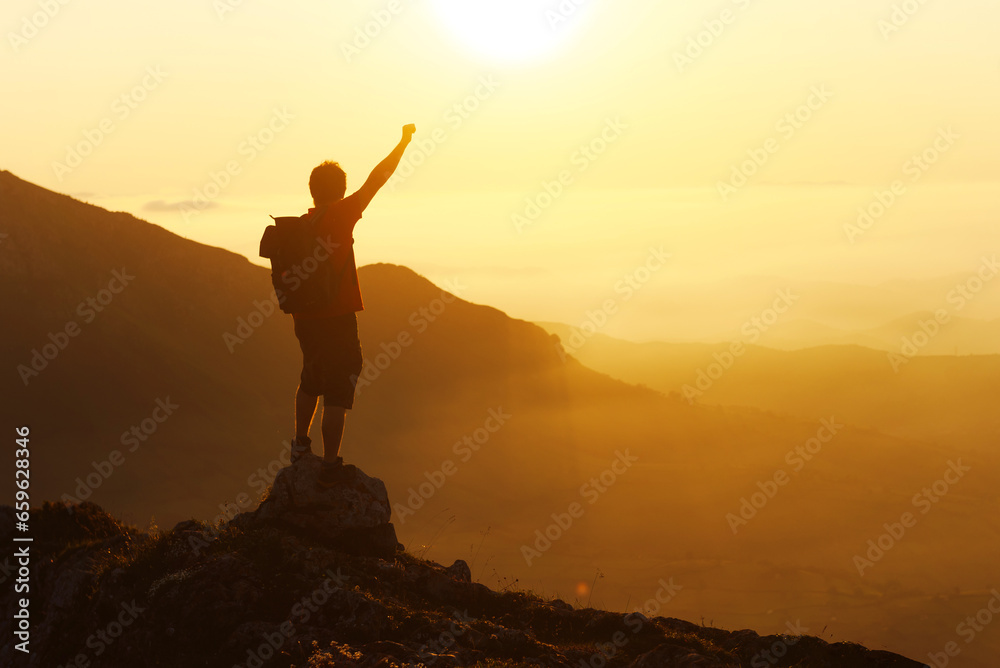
327	183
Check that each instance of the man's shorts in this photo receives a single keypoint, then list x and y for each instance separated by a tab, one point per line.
331	357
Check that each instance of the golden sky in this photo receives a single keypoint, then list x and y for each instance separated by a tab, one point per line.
558	141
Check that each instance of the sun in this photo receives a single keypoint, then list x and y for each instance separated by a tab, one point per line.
506	30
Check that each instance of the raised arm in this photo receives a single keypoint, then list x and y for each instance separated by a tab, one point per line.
384	170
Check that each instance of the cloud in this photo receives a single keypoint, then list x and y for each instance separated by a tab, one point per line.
161	205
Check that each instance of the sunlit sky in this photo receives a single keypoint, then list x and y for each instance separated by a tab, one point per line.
670	97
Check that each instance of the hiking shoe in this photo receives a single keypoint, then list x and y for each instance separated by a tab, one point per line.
331	473
300	447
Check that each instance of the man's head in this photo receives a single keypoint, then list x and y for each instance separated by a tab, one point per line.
327	183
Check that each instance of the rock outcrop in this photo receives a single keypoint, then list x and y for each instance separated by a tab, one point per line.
313	578
352	516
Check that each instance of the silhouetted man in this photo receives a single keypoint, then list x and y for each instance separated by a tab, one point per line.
328	336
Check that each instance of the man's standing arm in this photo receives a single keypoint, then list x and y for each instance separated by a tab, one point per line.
384	170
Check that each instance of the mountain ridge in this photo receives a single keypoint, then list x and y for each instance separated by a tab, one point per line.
261	595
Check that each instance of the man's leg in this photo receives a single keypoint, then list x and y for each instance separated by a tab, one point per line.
334	418
305	408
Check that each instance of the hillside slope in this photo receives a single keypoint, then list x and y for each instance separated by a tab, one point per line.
112	596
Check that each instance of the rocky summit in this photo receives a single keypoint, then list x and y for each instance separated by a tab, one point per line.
314	578
352	515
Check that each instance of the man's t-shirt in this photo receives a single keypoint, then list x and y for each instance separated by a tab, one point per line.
337	225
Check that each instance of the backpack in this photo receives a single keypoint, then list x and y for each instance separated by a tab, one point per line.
301	273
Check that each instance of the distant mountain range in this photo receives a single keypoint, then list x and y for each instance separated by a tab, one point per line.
941	399
886	316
